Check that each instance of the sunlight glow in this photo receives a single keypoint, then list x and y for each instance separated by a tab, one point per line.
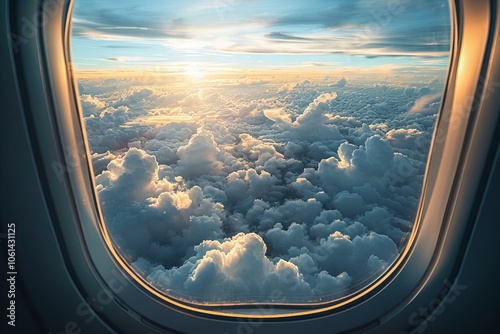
194	71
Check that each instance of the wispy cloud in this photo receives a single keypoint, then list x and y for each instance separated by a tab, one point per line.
113	59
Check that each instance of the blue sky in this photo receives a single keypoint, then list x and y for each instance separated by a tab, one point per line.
234	34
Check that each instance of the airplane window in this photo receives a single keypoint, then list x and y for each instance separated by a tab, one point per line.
260	152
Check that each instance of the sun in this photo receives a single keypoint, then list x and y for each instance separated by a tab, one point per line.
194	71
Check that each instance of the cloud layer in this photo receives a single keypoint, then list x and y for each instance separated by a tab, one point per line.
227	193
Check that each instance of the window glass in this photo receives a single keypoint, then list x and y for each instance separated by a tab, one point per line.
260	151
